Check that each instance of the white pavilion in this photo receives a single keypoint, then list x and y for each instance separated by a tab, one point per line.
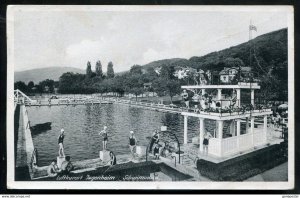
228	137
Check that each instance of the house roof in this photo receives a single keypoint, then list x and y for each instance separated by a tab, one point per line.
227	69
245	69
145	84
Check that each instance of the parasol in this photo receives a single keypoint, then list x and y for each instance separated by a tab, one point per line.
283	106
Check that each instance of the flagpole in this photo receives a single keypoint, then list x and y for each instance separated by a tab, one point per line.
250	30
250	37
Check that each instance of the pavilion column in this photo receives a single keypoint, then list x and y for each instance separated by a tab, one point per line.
247	124
220	135
265	128
185	129
201	134
202	91
238	132
252	130
252	97
238	97
232	128
219	94
220	129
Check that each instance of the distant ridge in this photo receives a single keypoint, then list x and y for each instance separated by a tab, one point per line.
37	75
271	49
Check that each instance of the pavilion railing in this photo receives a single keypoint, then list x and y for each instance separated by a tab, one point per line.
235	144
228	106
215	78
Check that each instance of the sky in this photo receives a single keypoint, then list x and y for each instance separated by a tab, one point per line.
47	38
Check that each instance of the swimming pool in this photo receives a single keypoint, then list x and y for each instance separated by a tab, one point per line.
82	123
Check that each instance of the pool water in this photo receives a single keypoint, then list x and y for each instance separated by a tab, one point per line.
82	123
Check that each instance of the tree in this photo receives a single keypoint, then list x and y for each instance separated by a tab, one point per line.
234	62
171	72
110	70
151	74
159	86
164	72
98	69
173	88
136	91
30	86
21	86
71	83
134	84
47	86
136	69
89	72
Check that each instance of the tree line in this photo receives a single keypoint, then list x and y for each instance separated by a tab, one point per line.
132	82
45	86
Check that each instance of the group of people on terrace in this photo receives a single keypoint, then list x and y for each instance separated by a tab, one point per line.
279	116
206	102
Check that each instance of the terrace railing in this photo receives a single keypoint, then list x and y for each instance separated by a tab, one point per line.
228	107
226	78
232	145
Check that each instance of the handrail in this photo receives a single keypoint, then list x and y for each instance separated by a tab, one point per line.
177	143
34	158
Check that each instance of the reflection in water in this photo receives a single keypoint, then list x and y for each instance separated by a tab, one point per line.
82	123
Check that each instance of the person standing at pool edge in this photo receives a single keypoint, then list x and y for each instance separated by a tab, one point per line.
154	139
132	143
206	136
61	152
103	133
113	160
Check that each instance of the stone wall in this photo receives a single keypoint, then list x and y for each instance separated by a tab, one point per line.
29	147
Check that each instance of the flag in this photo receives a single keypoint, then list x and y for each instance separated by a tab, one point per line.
252	27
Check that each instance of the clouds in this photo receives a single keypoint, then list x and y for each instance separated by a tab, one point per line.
72	38
83	51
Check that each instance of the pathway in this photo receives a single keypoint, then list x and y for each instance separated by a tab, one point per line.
279	173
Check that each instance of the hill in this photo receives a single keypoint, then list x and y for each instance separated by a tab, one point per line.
269	53
37	75
268	50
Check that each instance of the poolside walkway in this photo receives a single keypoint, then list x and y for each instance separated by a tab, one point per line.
21	160
279	173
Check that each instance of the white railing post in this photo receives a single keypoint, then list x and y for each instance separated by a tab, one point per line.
220	136
252	130
219	94
238	97
202	91
185	129
238	133
252	97
201	134
265	128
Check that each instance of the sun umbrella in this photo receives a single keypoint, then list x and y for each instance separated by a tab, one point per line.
283	106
